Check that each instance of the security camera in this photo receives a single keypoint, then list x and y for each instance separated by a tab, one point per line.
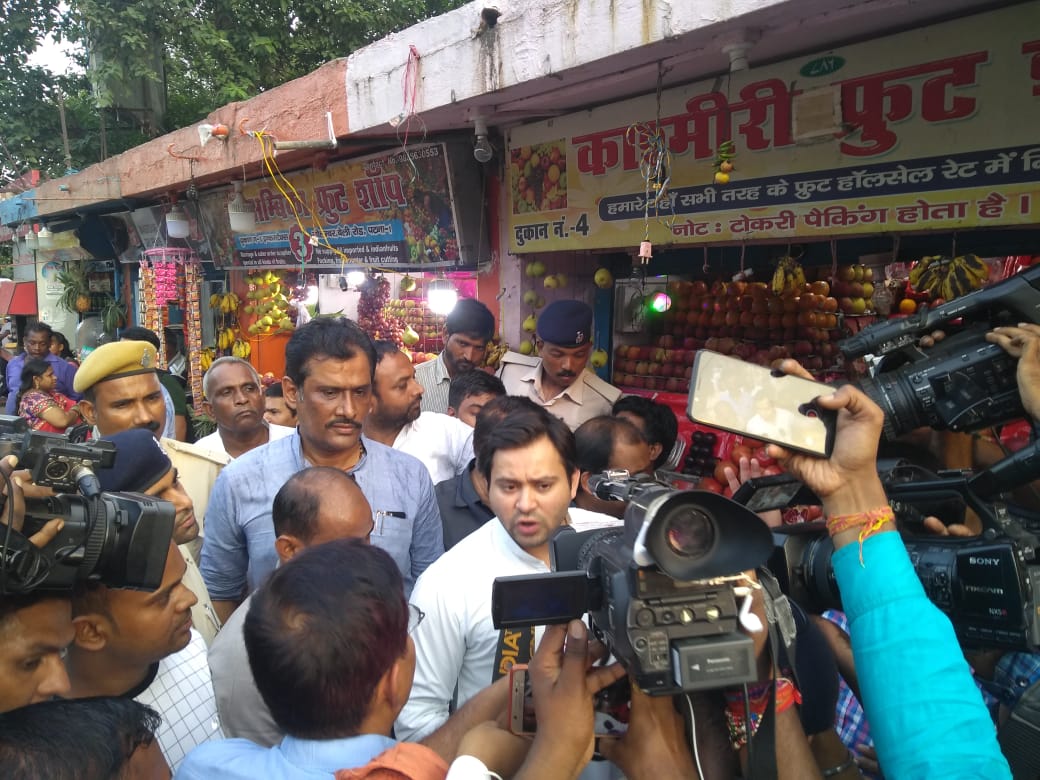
482	149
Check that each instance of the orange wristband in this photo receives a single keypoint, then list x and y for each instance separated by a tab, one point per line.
869	524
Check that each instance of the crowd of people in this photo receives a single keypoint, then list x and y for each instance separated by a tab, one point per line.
325	609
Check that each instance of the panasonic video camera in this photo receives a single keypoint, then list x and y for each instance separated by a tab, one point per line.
963	383
663	591
120	539
989	586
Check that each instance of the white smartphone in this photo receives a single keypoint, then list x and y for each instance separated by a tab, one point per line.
751	400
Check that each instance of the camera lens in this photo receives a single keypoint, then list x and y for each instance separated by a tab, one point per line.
689	532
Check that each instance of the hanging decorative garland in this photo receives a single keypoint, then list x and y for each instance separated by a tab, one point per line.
193	328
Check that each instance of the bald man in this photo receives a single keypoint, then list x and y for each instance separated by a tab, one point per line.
315	506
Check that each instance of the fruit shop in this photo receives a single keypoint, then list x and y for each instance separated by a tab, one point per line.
743	215
382	239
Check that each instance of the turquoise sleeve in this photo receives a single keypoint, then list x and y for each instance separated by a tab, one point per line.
926	715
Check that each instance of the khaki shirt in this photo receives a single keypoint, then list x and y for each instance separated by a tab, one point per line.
588	397
197	470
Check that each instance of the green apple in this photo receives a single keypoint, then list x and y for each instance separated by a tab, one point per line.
598	359
530	323
603	278
530	298
526	347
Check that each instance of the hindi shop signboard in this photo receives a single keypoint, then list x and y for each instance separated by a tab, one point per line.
941	132
389	210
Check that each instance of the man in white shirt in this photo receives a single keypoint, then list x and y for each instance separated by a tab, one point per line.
235	400
444	444
528	458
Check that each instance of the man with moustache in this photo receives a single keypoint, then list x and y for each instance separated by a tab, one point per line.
558	379
329	366
121	392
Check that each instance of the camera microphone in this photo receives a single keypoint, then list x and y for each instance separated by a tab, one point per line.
1011	472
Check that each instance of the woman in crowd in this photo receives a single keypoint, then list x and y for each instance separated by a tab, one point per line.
41	404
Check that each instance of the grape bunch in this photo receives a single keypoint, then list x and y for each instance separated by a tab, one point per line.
373	314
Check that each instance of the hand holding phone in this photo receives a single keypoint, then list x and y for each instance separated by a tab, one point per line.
611	706
751	400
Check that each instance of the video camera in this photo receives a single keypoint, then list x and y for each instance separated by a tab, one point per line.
988	586
963	383
120	539
662	590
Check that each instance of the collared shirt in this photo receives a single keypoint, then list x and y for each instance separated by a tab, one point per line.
462	511
64	372
444	444
213	443
433	376
306	759
849	719
587	397
455	645
183	695
239	545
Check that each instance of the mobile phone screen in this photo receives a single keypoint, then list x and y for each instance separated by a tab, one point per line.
746	398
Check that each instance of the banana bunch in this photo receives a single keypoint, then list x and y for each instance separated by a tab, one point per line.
225	338
789	277
206	358
948	278
241	349
494	353
224	303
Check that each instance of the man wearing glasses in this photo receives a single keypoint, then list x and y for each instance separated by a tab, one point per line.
37	344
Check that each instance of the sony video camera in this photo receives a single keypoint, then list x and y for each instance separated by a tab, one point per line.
963	383
120	539
989	586
663	590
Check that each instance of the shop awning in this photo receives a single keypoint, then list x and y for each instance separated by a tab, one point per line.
17	297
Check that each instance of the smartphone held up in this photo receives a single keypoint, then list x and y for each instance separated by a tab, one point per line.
752	400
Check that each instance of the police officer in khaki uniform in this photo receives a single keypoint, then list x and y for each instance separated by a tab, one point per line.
121	391
559	379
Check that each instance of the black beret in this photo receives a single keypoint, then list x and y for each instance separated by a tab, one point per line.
471	316
140	462
566	324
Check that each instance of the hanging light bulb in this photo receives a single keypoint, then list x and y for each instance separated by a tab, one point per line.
177	223
356	278
441	295
660	302
241	213
45	238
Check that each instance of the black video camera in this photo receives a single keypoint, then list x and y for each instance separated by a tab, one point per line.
120	539
662	590
53	460
989	586
963	383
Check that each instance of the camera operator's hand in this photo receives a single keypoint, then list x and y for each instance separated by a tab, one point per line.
750	468
847	481
937	527
14	505
655	744
563	687
1023	342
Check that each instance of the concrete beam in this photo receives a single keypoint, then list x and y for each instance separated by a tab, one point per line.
295	111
